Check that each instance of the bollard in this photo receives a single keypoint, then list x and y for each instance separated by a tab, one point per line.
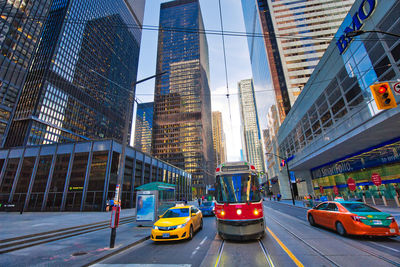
373	199
396	198
384	200
363	197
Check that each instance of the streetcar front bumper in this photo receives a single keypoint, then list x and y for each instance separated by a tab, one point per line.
241	229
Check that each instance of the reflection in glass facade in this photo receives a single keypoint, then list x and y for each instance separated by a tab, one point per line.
80	176
335	119
144	127
182	131
250	128
218	138
21	23
81	74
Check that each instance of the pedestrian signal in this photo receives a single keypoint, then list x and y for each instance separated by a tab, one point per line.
383	95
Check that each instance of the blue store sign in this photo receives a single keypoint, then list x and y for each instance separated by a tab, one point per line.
365	10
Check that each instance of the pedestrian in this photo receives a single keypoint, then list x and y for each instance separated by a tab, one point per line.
274	197
108	205
199	201
279	196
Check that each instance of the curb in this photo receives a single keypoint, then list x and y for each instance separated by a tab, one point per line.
115	252
289	205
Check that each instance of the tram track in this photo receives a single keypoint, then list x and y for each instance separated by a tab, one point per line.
21	242
262	247
336	238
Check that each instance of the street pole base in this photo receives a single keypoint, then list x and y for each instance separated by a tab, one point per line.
112	238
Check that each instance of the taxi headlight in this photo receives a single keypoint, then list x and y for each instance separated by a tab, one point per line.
181	225
155	227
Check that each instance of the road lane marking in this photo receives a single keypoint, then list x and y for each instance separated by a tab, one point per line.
290	254
393	249
140	265
204	240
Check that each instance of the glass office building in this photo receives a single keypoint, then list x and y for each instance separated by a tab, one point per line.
81	75
250	128
334	131
80	176
144	127
182	130
21	23
218	138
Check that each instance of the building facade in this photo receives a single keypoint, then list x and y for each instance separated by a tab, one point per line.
302	30
218	138
80	176
81	74
21	23
250	128
144	127
182	130
334	131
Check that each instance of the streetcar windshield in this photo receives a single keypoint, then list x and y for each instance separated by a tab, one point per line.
238	188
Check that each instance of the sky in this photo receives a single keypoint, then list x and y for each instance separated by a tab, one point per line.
237	57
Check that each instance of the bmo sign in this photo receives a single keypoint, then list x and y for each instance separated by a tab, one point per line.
365	10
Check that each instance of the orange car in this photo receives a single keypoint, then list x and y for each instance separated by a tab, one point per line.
353	218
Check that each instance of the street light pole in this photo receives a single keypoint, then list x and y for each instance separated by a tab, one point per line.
121	163
288	173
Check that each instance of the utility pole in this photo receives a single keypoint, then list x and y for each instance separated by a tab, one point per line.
121	164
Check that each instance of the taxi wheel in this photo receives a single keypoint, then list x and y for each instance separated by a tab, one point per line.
201	224
311	220
190	233
340	229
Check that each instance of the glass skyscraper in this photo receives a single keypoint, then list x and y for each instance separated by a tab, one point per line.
144	127
21	23
182	131
218	138
251	135
81	74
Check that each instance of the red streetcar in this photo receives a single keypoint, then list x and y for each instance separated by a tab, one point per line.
238	207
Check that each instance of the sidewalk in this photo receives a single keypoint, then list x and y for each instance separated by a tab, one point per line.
76	251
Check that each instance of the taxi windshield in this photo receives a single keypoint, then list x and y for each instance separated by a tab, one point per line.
176	213
359	207
238	188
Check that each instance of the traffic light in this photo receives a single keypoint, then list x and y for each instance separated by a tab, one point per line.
383	95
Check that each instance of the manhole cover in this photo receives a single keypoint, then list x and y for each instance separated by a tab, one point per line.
80	253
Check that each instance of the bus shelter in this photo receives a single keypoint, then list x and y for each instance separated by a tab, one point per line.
166	194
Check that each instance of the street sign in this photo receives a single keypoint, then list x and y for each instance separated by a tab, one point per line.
335	190
376	179
396	88
351	184
321	189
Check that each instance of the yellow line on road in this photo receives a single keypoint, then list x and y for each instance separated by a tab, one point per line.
293	257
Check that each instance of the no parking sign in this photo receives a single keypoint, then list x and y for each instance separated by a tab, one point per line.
396	88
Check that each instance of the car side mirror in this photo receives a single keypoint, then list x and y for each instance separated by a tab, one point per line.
193	214
159	216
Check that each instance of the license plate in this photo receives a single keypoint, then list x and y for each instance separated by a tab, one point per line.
165	235
377	222
392	230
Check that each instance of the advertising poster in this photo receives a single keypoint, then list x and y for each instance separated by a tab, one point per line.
145	208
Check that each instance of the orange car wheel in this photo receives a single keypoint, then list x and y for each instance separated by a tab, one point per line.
340	229
311	220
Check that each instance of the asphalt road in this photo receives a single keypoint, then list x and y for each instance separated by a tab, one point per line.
289	241
388	245
177	253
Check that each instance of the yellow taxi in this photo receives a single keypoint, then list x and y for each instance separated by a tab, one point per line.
177	223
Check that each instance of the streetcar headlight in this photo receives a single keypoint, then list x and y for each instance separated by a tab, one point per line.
222	212
255	212
239	211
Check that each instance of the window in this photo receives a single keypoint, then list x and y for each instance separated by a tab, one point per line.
322	206
332	207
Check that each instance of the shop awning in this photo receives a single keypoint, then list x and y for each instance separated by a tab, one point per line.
159	186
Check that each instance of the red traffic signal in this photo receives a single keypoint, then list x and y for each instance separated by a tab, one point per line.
383	95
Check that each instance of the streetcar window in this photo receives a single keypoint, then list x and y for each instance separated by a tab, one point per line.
238	188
